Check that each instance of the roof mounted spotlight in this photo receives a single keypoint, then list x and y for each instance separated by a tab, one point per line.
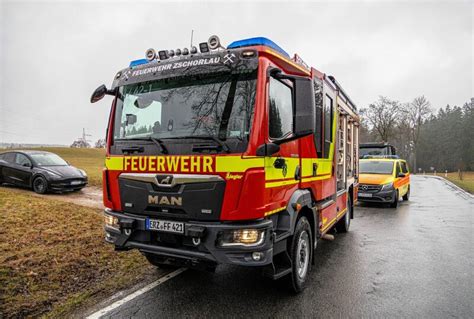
214	42
171	53
185	51
194	50
178	52
150	54
203	47
163	54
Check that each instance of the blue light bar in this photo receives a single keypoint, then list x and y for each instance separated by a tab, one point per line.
257	41
138	62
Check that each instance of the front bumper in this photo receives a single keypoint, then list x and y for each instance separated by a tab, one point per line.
67	185
377	197
181	247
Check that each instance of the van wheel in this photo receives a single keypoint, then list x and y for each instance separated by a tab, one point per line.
343	224
407	195
40	185
394	204
301	253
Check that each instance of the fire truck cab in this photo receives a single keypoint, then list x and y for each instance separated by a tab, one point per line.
239	155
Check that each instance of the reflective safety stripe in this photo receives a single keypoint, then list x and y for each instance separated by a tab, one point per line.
316	178
281	183
275	211
237	163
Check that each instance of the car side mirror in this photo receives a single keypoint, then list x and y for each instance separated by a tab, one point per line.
100	92
401	175
130	119
27	165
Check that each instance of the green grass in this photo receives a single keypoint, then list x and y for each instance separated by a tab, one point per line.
467	182
53	257
89	159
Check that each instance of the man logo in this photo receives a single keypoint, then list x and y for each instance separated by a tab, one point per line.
165	200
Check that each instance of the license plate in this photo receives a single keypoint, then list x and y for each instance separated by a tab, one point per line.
165	226
365	195
76	182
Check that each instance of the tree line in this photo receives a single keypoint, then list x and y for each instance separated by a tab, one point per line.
428	140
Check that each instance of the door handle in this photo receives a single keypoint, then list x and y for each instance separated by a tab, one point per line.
279	163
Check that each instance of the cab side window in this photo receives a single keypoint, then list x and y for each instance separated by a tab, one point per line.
397	171
22	160
318	101
281	109
328	118
404	167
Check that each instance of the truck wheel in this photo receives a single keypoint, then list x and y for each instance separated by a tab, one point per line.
394	204
343	224
300	252
40	185
407	195
159	262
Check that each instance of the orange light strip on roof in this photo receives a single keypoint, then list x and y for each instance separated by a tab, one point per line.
299	67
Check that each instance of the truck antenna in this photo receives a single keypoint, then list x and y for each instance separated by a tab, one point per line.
192	33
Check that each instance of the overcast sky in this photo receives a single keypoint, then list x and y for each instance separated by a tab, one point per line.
53	55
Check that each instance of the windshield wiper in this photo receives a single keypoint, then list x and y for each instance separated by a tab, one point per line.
157	141
221	143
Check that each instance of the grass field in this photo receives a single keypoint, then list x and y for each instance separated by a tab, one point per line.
466	183
53	257
89	159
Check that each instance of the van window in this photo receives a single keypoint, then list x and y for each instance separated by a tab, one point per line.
281	109
404	167
397	170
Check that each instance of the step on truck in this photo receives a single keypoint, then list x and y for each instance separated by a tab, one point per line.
239	155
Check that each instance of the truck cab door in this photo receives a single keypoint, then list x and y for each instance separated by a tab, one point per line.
282	168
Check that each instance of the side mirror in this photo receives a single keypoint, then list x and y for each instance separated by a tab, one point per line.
130	119
268	149
27	165
401	175
100	92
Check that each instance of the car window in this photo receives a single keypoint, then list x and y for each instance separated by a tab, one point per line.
22	160
404	167
9	157
397	170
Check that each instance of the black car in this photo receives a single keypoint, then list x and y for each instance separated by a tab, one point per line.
42	171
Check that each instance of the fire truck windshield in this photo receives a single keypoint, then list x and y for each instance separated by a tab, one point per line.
219	107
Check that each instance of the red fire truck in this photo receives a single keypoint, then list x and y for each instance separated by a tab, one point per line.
239	155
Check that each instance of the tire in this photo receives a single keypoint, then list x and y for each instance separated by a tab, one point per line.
301	253
406	197
394	204
40	185
342	226
159	262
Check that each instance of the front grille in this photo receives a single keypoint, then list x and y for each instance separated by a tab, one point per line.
369	188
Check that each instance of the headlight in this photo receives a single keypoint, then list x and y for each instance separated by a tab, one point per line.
386	187
242	237
83	172
111	221
53	175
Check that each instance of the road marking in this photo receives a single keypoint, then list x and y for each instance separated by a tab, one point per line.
137	293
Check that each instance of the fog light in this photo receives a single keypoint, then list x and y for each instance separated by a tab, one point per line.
256	256
111	221
243	237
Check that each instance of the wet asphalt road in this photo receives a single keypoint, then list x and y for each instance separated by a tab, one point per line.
413	261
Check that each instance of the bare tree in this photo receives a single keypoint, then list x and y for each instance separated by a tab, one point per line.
382	117
415	113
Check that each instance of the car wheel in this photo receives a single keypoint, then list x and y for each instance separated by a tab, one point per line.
407	195
40	185
343	224
394	204
159	262
301	253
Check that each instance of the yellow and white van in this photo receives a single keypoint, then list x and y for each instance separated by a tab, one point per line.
383	180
